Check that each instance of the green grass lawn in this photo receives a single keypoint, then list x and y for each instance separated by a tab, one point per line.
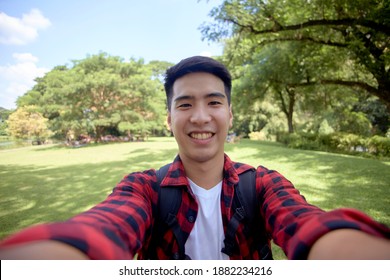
50	183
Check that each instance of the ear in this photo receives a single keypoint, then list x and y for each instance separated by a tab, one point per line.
169	121
230	116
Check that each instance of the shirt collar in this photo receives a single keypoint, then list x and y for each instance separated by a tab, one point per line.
176	175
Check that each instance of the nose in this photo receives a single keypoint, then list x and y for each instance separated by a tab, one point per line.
200	115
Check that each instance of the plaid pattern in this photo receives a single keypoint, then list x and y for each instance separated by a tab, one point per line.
120	226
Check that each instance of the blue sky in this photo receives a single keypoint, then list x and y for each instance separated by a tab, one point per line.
36	35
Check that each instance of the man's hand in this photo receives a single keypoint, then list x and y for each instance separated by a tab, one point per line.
41	250
350	244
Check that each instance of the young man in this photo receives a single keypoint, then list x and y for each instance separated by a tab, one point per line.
199	115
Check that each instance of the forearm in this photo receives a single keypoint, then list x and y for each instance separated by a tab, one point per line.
41	250
350	244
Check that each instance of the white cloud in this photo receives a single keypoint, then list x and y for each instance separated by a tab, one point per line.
25	57
16	79
20	31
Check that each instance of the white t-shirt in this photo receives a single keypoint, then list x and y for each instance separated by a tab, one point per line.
206	238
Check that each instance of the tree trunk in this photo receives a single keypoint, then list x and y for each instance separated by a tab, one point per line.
99	132
288	109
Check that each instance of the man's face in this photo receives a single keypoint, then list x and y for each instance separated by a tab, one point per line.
200	116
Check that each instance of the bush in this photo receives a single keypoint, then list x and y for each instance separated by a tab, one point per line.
379	146
347	143
257	135
306	141
263	135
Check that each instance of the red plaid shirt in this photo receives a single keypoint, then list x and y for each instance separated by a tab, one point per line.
120	226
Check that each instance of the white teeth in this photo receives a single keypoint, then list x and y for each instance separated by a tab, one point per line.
201	136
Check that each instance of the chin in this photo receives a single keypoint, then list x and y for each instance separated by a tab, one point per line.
204	156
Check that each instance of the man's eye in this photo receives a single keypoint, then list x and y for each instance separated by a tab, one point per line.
184	105
213	103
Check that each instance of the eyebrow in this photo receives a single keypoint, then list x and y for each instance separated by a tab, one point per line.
210	95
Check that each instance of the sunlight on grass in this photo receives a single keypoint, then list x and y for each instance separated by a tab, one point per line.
54	156
50	183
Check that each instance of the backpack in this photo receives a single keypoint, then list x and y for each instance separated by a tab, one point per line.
244	205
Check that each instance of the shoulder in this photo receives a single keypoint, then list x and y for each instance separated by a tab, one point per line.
142	178
237	167
242	167
261	171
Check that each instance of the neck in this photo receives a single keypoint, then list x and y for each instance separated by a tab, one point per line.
204	174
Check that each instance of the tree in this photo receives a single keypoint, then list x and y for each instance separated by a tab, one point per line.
99	95
27	123
4	114
46	96
278	71
158	68
357	31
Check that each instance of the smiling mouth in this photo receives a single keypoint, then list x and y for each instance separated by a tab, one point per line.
201	136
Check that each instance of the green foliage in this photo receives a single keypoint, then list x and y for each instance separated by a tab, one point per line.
310	57
325	128
355	122
100	95
4	114
335	23
379	146
375	112
346	143
306	141
265	81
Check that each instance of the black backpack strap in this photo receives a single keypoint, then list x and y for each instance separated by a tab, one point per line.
245	204
169	201
230	242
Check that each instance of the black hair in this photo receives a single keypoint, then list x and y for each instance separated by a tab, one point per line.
196	64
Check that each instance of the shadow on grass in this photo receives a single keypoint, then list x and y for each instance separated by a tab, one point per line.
32	194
